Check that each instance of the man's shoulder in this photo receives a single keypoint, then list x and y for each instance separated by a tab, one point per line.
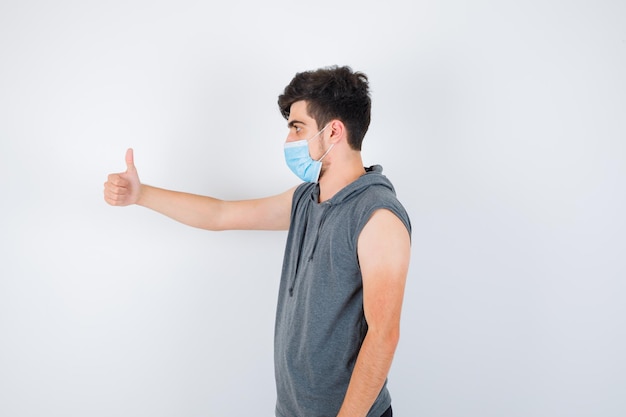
302	190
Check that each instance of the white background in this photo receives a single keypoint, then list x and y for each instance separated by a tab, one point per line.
501	123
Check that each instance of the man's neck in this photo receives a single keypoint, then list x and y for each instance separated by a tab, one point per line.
338	177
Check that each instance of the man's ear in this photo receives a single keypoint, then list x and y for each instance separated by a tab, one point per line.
337	131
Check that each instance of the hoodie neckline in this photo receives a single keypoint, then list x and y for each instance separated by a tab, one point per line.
373	175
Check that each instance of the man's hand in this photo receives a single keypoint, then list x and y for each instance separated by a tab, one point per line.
124	188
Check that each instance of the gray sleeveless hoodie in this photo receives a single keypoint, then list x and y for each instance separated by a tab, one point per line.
320	324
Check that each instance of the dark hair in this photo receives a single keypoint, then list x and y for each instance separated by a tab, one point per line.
332	93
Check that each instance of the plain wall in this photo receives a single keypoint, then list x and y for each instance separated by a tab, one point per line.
501	124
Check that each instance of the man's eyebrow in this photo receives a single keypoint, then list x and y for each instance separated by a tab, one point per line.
294	122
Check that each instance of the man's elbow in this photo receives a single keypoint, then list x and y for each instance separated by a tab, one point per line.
387	338
393	338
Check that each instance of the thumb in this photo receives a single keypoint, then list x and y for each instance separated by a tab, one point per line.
130	160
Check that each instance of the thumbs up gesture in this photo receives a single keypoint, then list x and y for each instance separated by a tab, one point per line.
124	188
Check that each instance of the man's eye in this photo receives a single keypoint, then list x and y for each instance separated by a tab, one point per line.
298	128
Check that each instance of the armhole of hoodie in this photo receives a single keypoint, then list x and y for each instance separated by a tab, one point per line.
400	213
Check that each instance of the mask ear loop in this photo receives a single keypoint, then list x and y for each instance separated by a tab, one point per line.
331	145
318	133
326	153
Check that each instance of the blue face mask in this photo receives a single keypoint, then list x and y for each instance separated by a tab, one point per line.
300	162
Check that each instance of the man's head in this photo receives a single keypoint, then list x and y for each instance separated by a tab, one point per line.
332	93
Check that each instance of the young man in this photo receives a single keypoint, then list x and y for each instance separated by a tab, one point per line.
347	252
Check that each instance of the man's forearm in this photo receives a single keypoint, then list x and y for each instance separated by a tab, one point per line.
369	374
190	209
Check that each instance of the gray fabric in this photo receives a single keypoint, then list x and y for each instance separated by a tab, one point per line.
320	324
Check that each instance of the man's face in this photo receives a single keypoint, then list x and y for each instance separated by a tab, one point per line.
302	126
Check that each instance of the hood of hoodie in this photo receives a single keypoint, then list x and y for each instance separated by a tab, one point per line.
373	177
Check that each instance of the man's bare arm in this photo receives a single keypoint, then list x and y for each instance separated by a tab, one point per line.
270	213
384	252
